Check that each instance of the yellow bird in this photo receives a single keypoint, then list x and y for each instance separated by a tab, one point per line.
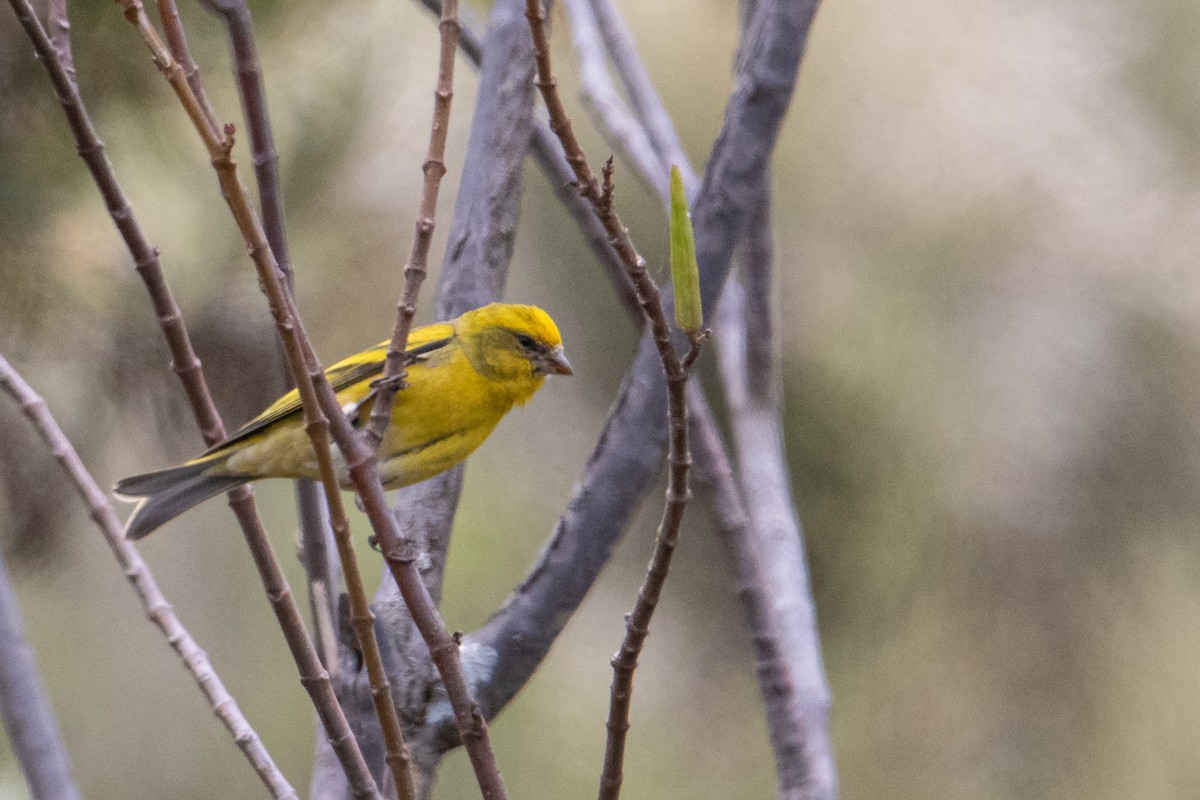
464	376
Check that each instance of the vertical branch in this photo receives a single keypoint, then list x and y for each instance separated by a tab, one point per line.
25	708
600	195
790	674
172	24
158	610
770	551
414	272
474	269
315	535
248	71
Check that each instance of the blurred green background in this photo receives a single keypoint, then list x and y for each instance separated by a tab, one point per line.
986	215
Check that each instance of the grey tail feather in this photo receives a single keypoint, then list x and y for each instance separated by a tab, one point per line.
168	493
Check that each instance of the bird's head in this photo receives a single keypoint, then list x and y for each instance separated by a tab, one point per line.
513	344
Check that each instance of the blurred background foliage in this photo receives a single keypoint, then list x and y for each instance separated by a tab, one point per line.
986	216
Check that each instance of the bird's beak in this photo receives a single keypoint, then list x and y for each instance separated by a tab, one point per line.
555	363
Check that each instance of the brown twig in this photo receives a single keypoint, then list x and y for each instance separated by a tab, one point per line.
600	194
172	24
433	169
220	144
628	451
624	133
315	534
158	610
322	415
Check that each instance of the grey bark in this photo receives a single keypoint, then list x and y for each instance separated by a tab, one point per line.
25	708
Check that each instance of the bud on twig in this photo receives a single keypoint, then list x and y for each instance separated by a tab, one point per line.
685	273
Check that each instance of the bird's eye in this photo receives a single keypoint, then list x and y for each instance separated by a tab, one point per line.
526	341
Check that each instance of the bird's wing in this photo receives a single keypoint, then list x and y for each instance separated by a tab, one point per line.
345	373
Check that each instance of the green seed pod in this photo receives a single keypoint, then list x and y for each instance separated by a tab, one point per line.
685	272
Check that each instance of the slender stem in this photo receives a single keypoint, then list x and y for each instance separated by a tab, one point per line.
769	552
25	709
320	570
433	169
600	195
142	581
646	134
549	156
627	453
248	71
172	24
479	248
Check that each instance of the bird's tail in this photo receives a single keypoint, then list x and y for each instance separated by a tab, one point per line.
166	494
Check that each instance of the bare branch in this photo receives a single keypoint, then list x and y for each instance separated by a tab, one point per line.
772	556
414	272
220	144
24	705
600	195
550	158
321	569
317	401
474	269
172	24
317	563
142	581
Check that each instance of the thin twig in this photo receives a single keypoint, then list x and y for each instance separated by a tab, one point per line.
600	195
646	134
323	414
315	535
479	248
25	709
433	169
247	70
158	610
184	362
549	156
172	24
